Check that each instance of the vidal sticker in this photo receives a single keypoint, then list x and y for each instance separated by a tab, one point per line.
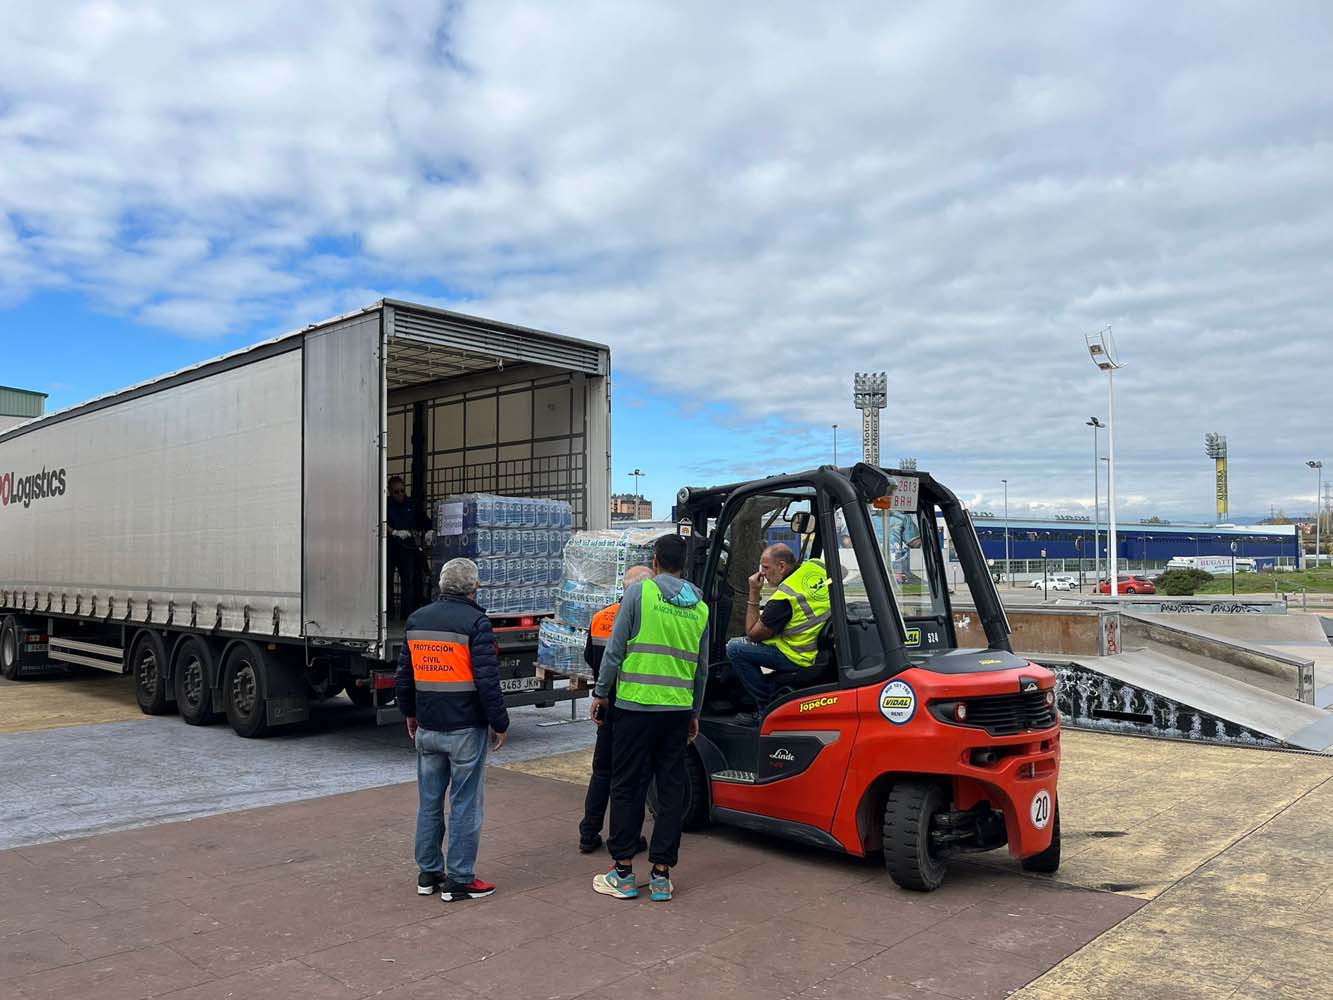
897	702
1041	809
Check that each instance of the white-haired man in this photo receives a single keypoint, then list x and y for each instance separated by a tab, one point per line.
448	689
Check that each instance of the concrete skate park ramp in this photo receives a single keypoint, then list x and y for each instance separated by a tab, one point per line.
1273	652
1166	676
1151	693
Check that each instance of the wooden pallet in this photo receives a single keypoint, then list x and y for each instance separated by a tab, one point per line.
577	682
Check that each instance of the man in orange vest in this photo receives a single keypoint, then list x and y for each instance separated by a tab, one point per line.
599	785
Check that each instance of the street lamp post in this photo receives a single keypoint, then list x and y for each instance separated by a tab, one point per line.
835	444
1096	425
1233	569
1318	505
635	476
1101	346
1008	566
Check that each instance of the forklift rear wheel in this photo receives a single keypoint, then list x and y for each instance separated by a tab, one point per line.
148	663
695	814
361	697
243	681
907	820
1048	861
9	649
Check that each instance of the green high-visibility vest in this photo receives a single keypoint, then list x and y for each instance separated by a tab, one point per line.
662	658
807	591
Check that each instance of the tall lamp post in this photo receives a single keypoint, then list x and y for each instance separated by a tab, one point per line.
1096	425
835	444
635	476
1318	505
1008	566
1101	346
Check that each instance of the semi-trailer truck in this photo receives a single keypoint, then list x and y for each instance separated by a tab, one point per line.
219	531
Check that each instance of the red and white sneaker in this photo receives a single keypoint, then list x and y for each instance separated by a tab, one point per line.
476	889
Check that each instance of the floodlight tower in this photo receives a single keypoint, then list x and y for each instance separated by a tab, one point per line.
1101	346
870	394
907	464
1215	447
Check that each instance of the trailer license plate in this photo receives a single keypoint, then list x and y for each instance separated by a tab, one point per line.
520	684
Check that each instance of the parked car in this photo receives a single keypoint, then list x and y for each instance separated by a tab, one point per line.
1129	583
1055	583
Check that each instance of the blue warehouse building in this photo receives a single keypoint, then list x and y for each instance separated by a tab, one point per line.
1141	547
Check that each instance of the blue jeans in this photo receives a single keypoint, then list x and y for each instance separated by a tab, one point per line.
453	761
746	658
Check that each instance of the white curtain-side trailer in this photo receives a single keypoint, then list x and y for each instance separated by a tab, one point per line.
219	532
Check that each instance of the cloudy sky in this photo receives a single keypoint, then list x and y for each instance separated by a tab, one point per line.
747	207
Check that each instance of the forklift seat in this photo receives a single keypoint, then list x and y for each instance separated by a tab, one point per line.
822	671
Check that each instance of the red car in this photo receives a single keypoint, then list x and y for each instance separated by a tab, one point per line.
1128	583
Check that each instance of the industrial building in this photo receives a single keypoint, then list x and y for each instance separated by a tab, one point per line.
1141	547
18	405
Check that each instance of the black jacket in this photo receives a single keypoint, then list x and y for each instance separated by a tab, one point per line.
446	710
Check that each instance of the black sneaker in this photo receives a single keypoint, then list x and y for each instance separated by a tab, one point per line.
451	891
588	846
428	883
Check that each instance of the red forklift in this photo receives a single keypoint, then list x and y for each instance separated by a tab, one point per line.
895	740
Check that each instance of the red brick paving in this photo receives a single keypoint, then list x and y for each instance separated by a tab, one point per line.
317	899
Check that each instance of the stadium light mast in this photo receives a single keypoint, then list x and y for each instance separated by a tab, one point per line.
1101	347
870	394
1215	447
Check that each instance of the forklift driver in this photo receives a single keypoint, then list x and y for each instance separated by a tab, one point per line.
404	556
784	636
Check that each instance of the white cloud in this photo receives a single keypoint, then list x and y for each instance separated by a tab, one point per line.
946	191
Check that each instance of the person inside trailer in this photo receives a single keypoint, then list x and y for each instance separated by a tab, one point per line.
403	553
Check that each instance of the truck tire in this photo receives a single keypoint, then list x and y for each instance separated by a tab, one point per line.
148	663
193	676
696	815
907	851
361	697
10	656
244	680
1048	861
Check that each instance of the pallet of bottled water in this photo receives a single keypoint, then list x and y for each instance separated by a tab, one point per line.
560	649
594	567
516	542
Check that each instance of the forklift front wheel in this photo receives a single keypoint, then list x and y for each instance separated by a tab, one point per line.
1048	861
908	854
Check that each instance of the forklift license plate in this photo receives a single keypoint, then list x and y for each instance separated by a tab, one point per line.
511	684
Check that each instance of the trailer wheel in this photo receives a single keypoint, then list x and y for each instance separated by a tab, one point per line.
148	663
695	815
1048	861
361	697
243	679
193	675
9	649
908	855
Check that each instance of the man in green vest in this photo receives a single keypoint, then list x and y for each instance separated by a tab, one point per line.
785	634
656	662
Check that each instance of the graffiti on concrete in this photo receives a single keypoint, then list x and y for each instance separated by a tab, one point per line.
1089	700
